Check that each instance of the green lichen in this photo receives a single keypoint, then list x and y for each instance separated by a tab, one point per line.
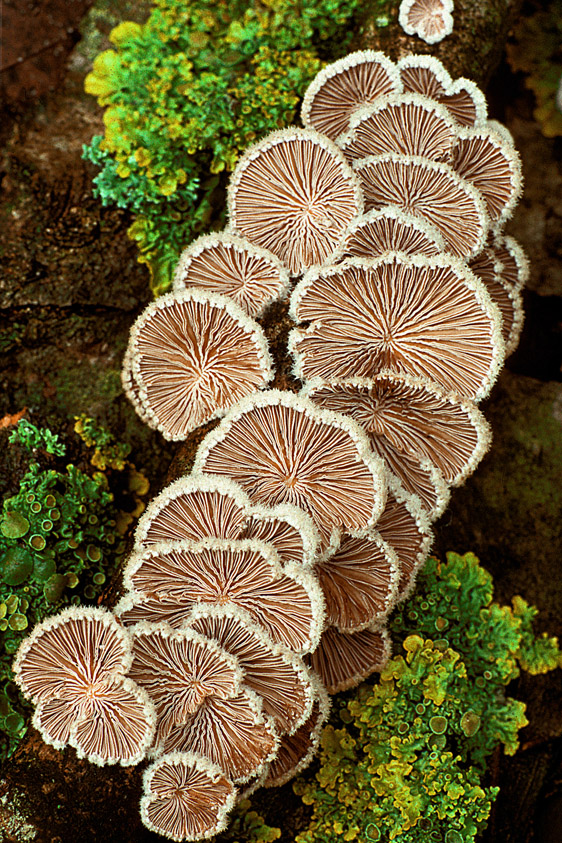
407	762
31	437
187	91
61	538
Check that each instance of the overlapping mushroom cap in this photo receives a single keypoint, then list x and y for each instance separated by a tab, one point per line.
191	356
73	667
344	659
426	317
281	448
199	506
294	194
165	581
186	797
270	669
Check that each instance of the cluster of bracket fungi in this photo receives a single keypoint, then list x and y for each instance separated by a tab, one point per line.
260	583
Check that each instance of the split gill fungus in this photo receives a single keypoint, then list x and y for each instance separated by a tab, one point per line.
260	583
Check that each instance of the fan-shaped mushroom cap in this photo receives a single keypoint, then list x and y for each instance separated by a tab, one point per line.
340	88
409	124
166	580
199	506
389	229
294	194
489	269
274	672
296	751
408	415
73	667
281	448
193	355
186	797
484	159
233	733
405	526
359	581
232	266
179	669
344	659
426	317
515	264
430	20
426	75
431	190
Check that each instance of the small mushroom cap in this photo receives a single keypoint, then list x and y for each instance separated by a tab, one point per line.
341	87
489	269
73	665
409	415
281	448
193	355
294	194
405	525
409	315
409	124
430	20
186	797
296	751
115	724
166	580
359	581
57	658
343	660
196	506
233	733
232	266
179	669
483	158
290	530
431	190
274	672
426	75
390	229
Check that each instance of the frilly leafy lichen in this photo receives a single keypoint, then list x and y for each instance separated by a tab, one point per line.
61	538
187	91
407	759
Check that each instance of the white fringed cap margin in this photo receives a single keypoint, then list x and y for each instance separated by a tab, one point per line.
277	288
432	137
178	428
137	594
202	613
299	404
426	29
462	239
399	497
283	768
330	227
494	169
461	463
323	81
357	647
465	278
426	75
388	600
159	821
425	238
